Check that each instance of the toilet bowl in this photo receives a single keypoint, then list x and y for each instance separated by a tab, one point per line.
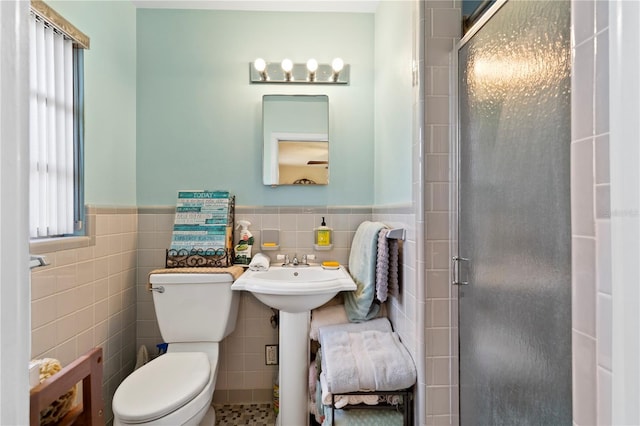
195	312
173	389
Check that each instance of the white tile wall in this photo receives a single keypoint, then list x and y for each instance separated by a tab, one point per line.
442	30
86	297
590	208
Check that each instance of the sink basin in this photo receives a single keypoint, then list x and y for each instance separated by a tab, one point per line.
295	289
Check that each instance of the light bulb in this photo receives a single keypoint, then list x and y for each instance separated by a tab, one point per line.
312	65
287	65
260	65
337	65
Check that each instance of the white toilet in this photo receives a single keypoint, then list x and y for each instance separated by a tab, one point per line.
195	312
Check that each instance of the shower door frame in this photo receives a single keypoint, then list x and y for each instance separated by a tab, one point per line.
456	280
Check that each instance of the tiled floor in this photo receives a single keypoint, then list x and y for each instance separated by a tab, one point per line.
248	414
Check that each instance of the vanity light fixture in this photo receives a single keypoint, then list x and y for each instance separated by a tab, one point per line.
337	65
312	67
260	65
287	67
311	72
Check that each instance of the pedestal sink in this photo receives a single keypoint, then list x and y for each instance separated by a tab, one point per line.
294	290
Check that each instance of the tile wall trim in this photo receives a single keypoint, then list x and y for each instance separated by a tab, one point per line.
272	209
395	209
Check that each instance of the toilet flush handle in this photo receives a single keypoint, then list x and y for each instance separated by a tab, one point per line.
159	289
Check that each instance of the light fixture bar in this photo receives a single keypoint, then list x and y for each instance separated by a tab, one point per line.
299	74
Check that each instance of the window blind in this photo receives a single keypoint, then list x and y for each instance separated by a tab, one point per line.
51	132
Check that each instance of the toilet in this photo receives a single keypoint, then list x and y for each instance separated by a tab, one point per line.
195	311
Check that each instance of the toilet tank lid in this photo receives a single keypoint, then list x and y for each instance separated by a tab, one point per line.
161	386
190	278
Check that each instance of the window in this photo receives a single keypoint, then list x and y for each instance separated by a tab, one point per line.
56	115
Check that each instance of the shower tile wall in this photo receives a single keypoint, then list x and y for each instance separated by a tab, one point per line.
442	31
402	309
590	205
86	297
243	376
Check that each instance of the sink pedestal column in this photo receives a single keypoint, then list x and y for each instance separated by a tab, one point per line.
294	368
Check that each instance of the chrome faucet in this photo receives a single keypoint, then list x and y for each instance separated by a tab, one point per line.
295	262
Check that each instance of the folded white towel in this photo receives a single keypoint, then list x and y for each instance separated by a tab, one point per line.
366	360
326	315
380	324
343	400
393	367
259	262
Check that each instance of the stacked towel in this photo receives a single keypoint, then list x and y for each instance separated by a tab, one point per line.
326	315
344	400
379	324
260	262
366	360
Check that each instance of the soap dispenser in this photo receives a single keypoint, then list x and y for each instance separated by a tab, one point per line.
323	237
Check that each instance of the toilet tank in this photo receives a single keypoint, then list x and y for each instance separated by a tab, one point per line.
194	307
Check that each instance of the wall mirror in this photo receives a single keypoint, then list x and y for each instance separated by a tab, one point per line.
296	139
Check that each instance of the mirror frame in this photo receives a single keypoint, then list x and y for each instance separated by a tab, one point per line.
270	162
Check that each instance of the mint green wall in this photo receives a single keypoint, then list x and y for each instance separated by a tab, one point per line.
110	98
394	103
199	119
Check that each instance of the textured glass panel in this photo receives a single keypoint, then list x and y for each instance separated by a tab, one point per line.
515	314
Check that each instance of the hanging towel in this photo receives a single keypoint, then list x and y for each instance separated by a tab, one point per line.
382	266
386	266
394	288
360	304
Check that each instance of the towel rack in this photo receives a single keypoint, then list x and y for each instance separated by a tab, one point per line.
396	234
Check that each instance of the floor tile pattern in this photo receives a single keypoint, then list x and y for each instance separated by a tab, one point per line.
246	414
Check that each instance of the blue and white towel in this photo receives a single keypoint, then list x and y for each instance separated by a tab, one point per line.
360	304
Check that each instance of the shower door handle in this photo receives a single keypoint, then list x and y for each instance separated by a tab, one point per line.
456	263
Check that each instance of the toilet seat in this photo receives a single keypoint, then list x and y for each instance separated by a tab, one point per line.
162	386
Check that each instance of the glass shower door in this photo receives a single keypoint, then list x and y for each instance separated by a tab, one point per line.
514	218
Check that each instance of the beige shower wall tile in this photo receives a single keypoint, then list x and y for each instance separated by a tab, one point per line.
584	380
446	23
86	272
43	311
114	224
147	222
102	225
43	284
438	311
437	342
437	168
438	400
583	283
